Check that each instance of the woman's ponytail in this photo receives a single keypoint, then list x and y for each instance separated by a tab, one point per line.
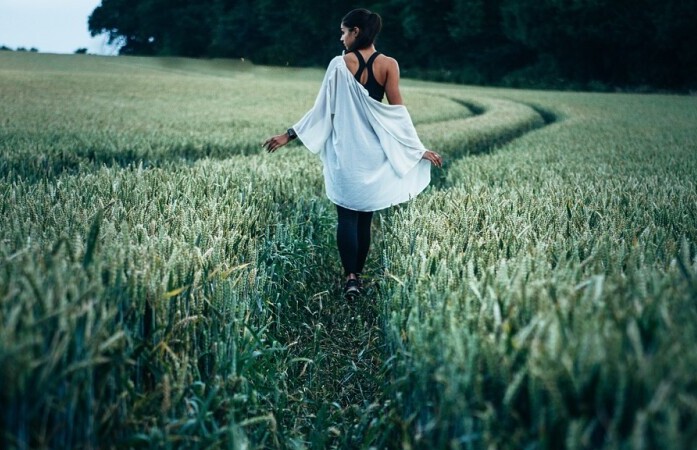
369	24
374	25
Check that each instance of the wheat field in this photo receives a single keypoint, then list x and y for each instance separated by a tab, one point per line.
164	283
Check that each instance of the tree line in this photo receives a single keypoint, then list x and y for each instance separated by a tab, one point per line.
599	44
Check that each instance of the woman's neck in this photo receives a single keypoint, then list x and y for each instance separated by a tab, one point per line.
367	50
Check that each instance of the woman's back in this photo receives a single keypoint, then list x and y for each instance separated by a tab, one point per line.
384	69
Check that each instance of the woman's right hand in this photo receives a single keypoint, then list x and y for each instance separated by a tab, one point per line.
275	142
434	157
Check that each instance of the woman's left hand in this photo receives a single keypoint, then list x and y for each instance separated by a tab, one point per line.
274	143
434	157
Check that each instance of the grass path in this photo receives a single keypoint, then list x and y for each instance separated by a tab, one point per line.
334	382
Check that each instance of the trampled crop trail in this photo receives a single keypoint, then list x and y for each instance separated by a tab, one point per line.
340	382
334	383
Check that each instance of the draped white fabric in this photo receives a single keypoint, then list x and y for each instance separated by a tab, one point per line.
370	150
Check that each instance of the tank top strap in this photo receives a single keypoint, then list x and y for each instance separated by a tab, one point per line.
361	65
369	64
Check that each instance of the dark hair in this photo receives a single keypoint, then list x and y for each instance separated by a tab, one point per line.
368	22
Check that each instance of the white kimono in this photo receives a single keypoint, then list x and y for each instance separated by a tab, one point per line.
370	151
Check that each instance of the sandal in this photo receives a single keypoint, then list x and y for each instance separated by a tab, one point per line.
352	289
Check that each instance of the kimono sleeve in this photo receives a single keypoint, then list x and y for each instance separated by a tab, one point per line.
397	136
315	127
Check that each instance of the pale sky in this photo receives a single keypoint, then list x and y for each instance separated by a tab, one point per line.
52	26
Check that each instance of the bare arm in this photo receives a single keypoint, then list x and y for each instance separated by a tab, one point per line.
395	98
392	83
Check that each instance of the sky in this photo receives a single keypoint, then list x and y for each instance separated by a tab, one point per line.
51	26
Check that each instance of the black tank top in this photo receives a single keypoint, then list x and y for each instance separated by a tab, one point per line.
375	90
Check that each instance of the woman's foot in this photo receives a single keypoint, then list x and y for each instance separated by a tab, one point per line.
352	288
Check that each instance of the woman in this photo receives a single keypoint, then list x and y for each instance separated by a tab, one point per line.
370	151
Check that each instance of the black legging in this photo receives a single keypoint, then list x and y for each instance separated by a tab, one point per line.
353	238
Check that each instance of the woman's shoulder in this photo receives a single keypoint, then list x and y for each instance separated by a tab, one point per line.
385	67
349	57
388	60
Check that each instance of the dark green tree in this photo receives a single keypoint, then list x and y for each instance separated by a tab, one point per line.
235	33
480	42
615	42
155	27
123	23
